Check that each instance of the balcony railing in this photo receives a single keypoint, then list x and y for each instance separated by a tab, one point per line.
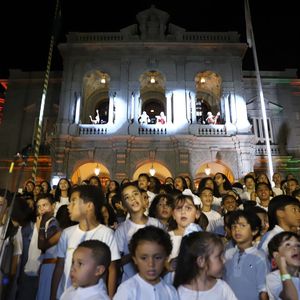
88	129
262	150
208	130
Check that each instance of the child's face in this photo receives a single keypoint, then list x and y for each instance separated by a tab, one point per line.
143	183
105	214
145	199
263	192
290	249
209	184
242	233
164	211
250	184
94	181
150	259
44	206
178	184
230	203
291	215
84	270
44	187
63	185
291	185
133	199
264	222
77	208
216	262
219	180
207	198
185	213
277	178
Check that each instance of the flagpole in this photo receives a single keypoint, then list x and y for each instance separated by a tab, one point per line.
38	134
251	43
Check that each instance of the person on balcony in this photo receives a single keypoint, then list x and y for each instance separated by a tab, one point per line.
211	119
161	119
144	118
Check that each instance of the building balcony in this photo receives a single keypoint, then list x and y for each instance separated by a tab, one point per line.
209	130
261	150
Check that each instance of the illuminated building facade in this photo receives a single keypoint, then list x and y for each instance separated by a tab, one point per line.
156	96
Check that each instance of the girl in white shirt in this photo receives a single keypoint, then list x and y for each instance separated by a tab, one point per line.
199	267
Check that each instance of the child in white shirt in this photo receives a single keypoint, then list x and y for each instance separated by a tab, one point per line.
284	283
149	247
89	263
85	208
134	202
199	267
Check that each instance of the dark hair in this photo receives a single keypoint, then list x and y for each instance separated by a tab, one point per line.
151	234
252	219
100	251
48	186
96	178
248	176
227	185
184	184
166	189
112	218
63	217
144	175
202	184
192	246
58	190
224	198
156	185
21	212
49	197
154	203
258	210
278	203
278	239
90	193
203	189
296	193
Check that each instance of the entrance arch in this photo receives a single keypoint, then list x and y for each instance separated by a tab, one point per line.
161	172
87	170
213	167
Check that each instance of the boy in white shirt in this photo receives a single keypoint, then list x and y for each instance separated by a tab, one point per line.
85	208
90	262
149	248
284	283
134	202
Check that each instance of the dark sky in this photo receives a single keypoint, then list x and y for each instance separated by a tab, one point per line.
276	29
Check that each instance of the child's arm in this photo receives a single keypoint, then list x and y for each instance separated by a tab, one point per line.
57	273
112	279
289	291
50	237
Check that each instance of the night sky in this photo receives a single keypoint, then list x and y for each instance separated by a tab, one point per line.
276	29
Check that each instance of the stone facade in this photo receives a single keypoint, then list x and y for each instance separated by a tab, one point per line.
109	79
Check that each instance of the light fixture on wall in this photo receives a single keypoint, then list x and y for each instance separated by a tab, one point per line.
207	170
202	80
103	80
152	171
152	79
97	170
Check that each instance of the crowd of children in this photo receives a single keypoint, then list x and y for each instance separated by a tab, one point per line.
151	240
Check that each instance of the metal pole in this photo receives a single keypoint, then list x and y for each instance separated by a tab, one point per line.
44	94
251	42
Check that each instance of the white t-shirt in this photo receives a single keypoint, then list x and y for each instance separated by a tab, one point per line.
71	237
94	292
34	255
136	288
274	285
220	291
